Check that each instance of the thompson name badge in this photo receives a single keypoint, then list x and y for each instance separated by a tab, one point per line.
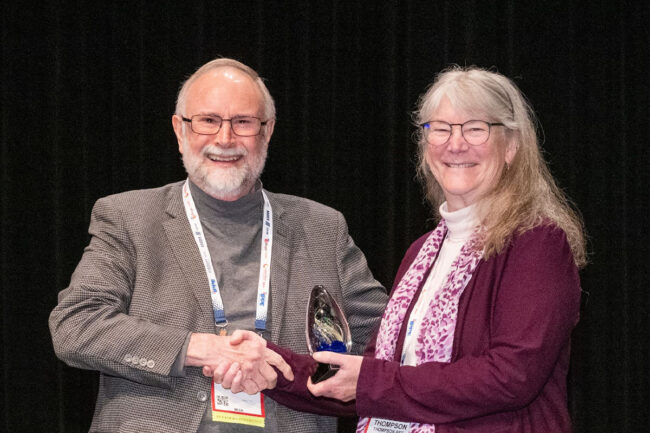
378	425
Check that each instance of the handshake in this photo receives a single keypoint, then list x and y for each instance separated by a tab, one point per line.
240	362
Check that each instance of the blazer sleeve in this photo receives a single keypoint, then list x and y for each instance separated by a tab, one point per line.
535	309
364	300
91	327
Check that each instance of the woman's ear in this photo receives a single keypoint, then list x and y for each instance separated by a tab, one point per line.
511	149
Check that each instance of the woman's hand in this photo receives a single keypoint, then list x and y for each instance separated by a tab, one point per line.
343	385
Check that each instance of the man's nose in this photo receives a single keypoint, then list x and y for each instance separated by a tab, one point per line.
225	135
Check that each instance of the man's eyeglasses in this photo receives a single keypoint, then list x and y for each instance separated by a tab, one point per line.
244	126
475	132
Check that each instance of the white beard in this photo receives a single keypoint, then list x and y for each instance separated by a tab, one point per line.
224	183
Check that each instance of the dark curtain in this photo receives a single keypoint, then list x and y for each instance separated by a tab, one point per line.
88	89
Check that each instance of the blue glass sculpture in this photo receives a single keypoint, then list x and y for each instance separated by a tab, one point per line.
327	329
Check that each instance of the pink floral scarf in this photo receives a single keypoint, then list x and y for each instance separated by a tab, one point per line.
435	340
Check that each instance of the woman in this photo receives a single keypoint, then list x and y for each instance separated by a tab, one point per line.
476	335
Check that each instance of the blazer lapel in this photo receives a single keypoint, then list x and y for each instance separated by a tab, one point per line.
280	259
187	254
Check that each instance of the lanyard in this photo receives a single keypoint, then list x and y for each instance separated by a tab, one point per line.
265	261
415	319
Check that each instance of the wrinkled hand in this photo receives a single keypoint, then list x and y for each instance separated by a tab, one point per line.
210	351
343	385
251	377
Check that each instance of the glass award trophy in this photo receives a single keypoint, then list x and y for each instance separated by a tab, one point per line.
327	329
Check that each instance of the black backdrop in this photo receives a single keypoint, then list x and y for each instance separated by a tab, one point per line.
88	89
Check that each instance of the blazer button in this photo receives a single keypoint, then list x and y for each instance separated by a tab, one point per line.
143	362
150	363
127	357
202	396
135	360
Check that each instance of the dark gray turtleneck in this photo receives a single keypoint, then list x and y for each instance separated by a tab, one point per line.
233	232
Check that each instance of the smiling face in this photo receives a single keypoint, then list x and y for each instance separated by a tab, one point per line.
224	165
466	173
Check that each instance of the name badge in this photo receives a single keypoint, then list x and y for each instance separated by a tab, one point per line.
378	425
240	408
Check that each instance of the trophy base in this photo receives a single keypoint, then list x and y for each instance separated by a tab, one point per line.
324	372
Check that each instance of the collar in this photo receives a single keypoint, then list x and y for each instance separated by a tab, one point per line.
244	208
460	223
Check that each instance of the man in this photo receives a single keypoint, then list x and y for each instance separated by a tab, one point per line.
165	265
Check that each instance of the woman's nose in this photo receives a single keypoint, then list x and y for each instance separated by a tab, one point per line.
456	141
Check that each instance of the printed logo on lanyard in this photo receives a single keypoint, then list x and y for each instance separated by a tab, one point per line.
261	308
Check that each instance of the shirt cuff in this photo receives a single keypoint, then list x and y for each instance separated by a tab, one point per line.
178	367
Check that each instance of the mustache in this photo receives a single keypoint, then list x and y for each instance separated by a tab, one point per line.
218	151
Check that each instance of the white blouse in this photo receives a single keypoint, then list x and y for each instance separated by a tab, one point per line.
460	225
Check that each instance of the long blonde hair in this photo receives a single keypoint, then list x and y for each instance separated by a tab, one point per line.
526	194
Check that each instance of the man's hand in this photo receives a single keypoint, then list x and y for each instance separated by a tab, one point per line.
209	350
239	363
343	385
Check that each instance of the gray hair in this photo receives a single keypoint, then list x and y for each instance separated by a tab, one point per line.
477	92
269	104
526	194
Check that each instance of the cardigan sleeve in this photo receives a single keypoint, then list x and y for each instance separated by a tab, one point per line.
535	307
295	394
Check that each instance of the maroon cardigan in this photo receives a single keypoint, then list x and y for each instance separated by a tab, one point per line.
510	353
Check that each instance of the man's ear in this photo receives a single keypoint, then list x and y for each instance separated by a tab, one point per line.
177	124
268	130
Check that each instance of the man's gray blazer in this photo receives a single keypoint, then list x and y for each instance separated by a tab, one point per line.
140	288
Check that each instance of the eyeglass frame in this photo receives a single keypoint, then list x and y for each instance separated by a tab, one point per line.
189	120
451	130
